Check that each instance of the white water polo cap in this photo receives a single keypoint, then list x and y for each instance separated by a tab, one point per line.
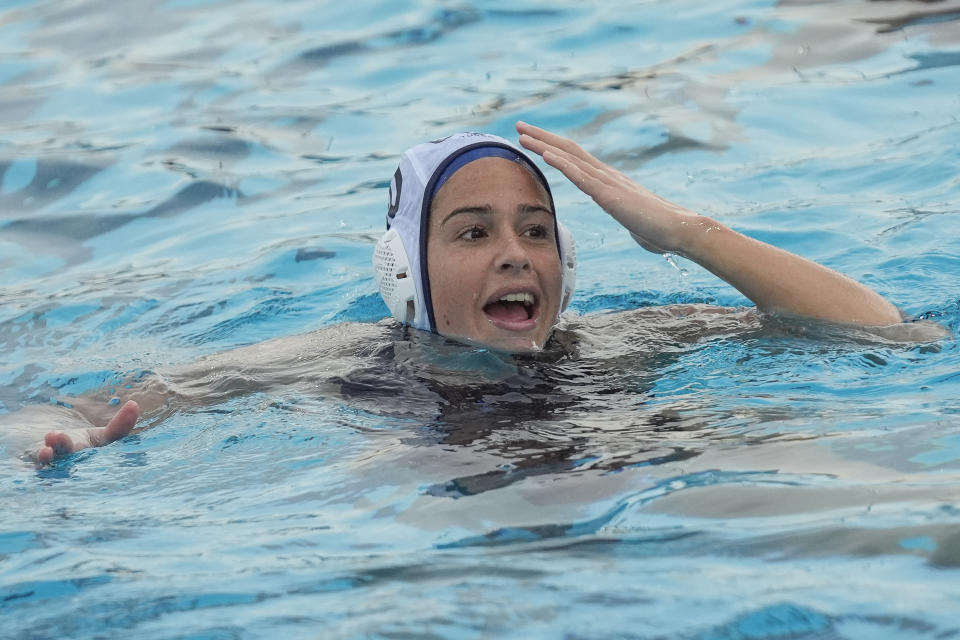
400	260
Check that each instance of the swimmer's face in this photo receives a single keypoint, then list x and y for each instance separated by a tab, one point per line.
495	273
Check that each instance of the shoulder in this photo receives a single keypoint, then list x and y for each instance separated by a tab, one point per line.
655	328
336	346
672	317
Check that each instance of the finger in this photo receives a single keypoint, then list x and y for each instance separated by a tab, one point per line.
550	138
547	136
540	147
60	444
43	456
554	140
119	426
540	140
589	164
533	144
576	174
602	177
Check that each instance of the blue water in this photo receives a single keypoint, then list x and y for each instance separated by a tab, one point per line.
179	179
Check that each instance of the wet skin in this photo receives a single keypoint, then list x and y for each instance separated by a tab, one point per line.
491	234
57	444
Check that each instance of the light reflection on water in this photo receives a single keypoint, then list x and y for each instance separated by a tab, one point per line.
183	178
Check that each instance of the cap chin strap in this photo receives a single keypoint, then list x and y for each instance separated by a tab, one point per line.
397	287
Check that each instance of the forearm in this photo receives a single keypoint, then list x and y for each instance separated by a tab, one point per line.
779	281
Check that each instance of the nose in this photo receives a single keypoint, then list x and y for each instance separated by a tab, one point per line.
513	255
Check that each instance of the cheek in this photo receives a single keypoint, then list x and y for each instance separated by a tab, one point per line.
452	289
550	269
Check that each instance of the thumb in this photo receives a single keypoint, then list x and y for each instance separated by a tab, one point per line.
120	425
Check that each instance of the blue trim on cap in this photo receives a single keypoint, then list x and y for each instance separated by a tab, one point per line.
467	157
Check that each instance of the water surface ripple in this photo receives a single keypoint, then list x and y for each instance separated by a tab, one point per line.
183	178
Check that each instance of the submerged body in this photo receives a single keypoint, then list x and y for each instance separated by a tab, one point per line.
591	362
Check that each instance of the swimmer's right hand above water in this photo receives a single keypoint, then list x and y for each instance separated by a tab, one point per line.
58	444
777	281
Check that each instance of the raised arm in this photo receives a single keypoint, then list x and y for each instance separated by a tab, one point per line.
774	279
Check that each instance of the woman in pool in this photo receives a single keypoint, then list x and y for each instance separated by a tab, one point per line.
496	273
474	252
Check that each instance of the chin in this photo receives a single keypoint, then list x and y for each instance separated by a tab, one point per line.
504	343
516	344
524	336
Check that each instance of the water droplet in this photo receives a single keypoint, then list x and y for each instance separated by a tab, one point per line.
672	261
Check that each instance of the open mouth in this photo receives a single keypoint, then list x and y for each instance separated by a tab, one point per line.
515	311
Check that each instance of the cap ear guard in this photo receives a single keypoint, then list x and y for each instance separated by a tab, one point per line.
568	264
395	279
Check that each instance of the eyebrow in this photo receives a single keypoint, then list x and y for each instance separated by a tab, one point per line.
486	210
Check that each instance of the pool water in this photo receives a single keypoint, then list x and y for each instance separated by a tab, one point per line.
180	178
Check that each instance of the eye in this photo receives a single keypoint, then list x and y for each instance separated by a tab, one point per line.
475	232
537	231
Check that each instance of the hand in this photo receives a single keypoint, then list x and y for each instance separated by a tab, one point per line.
656	224
58	444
